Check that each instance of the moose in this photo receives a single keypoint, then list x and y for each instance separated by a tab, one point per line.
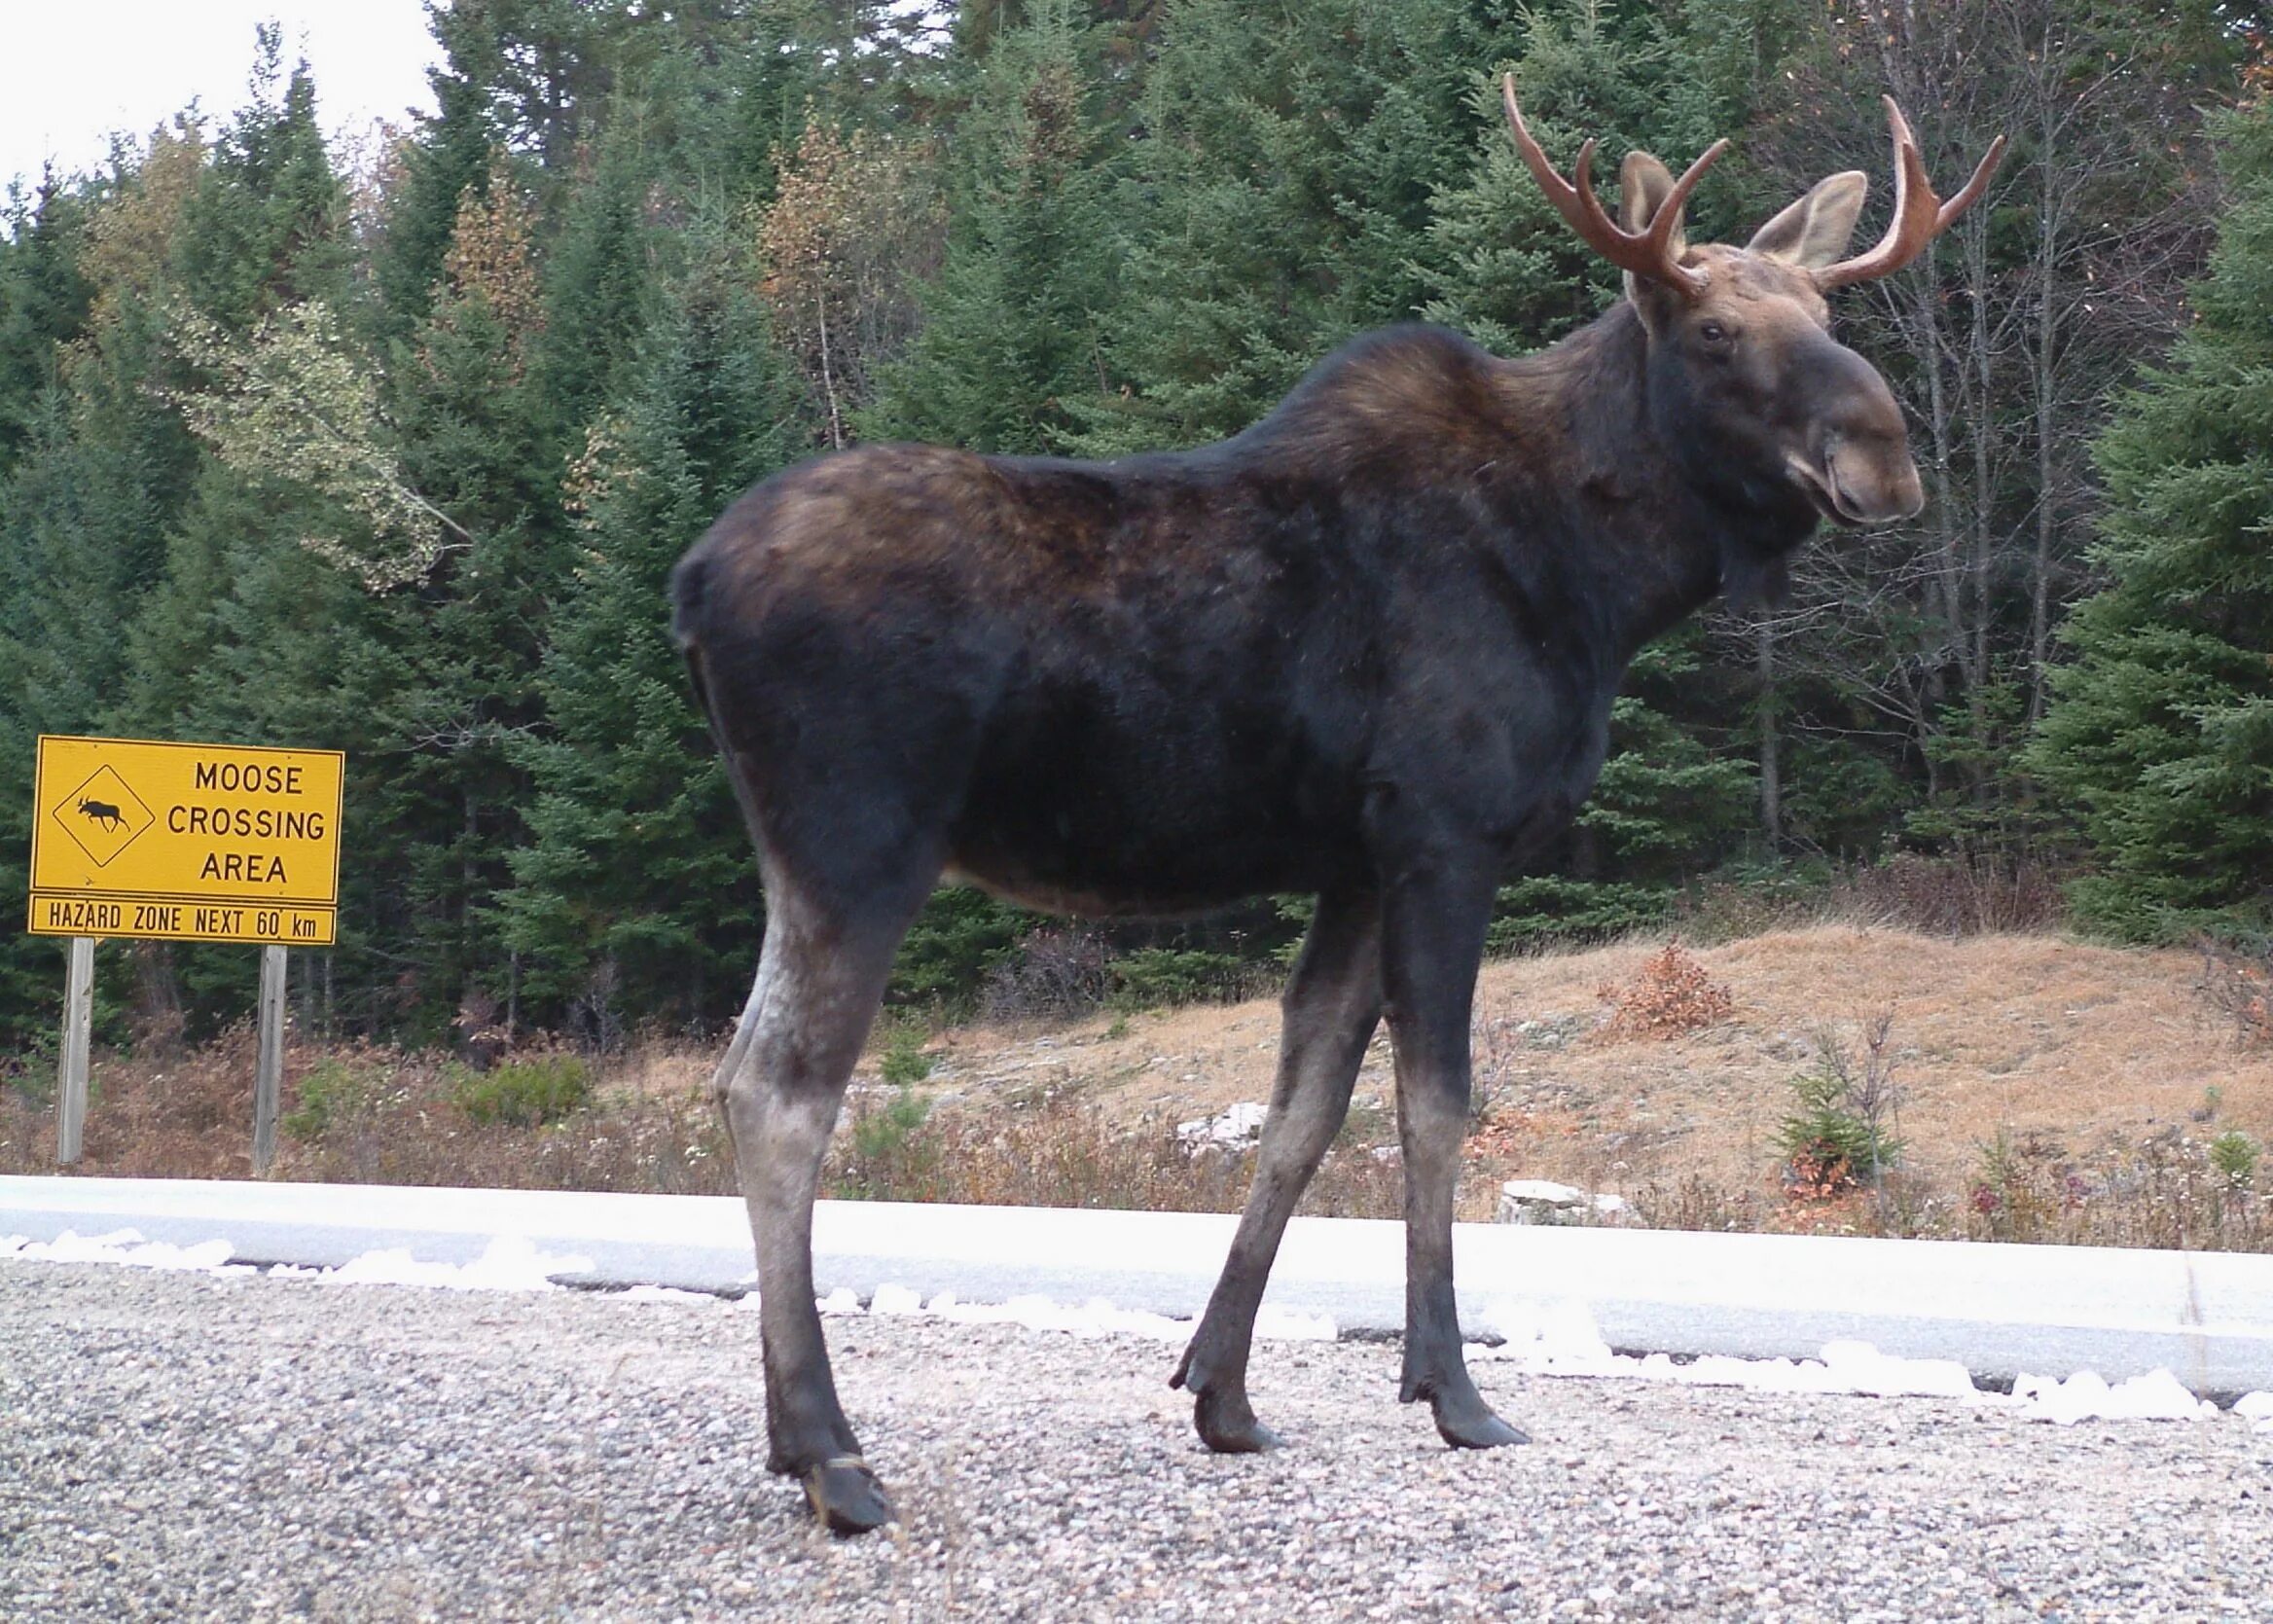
101	812
1363	651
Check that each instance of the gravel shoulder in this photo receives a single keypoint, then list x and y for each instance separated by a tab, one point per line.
249	1447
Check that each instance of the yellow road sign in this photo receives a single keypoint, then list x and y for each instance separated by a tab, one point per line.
218	842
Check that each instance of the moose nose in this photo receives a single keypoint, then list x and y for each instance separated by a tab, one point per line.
1862	446
1874	481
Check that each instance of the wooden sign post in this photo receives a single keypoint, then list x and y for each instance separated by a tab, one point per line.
77	1023
187	843
269	1069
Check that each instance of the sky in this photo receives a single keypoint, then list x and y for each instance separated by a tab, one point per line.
72	74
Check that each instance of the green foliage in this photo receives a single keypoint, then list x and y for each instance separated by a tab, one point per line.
1839	1133
1153	978
1543	908
44	300
1500	264
262	230
637	856
1014	323
1827	1142
2234	1154
904	1059
2160	739
1275	208
891	1147
334	1091
525	1093
959	936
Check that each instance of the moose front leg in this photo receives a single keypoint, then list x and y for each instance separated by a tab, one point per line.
1432	942
1331	1007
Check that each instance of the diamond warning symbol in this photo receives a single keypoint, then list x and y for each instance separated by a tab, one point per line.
102	815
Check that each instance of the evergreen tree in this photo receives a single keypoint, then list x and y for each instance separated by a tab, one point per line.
1279	197
262	229
2160	735
1501	264
44	301
1013	324
449	155
638	883
596	284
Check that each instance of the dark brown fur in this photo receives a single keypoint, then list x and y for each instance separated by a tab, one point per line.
1365	650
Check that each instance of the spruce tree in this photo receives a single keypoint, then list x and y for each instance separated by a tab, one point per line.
262	229
636	884
2159	739
44	300
1276	203
1014	323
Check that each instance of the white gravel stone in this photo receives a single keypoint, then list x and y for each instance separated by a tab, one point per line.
246	1447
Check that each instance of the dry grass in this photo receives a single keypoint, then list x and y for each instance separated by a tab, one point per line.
2095	1045
370	1114
1061	1152
2050	1090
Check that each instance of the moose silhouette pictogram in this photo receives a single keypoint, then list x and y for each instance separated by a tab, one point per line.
102	812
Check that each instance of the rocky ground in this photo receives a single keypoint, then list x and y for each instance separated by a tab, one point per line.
184	1446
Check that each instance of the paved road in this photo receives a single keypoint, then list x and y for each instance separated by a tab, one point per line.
183	1446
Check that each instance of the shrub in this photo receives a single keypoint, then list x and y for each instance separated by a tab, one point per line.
1747	899
1837	1137
904	1059
523	1092
330	1092
956	940
2238	979
31	1073
891	1148
1053	974
2234	1154
1151	977
1955	896
1669	995
1543	909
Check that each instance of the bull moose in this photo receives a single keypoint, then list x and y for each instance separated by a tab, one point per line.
1364	650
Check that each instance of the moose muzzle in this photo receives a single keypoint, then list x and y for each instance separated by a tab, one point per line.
1856	467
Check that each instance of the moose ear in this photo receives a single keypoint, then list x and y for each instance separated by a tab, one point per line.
1812	233
1642	185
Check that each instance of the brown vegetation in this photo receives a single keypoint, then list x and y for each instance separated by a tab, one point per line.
2050	1090
1672	994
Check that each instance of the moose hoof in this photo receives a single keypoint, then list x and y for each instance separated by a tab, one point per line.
1473	1425
846	1495
1227	1424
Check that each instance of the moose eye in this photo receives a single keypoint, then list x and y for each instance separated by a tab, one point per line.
1712	334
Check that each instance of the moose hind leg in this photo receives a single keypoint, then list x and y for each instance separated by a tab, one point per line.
1331	1007
820	978
1433	940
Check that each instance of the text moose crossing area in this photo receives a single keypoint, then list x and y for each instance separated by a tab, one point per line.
197	842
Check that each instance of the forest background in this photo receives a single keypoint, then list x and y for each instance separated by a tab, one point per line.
393	455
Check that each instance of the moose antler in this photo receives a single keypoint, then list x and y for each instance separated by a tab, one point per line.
1919	215
1645	253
